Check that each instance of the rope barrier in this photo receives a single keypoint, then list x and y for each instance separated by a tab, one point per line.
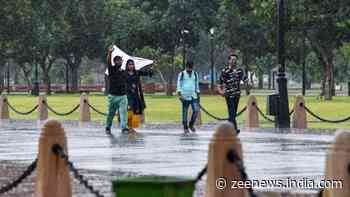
221	119
233	157
19	112
241	112
97	111
62	114
57	149
263	115
323	119
24	175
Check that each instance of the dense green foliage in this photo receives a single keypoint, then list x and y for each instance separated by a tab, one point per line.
68	38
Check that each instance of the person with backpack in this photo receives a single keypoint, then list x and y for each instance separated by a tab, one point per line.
229	87
188	93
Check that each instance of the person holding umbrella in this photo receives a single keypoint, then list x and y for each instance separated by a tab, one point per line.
117	92
136	100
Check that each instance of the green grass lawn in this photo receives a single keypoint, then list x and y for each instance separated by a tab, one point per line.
163	109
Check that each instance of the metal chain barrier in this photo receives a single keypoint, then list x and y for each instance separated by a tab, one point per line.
201	173
241	112
221	119
57	149
263	115
323	119
320	193
62	114
96	110
291	112
16	182
21	113
233	157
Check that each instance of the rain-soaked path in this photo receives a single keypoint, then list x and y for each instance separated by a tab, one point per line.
162	150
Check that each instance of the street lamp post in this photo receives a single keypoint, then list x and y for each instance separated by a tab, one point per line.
304	68
273	79
212	31
36	90
183	35
67	78
282	118
8	78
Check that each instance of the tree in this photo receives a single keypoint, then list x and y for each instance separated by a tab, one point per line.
15	25
326	26
82	35
167	20
247	27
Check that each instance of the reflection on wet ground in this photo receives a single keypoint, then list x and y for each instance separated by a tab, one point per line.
164	150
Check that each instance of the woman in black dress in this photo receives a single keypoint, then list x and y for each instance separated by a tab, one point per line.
136	100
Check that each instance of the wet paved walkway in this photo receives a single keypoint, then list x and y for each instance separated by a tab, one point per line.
164	150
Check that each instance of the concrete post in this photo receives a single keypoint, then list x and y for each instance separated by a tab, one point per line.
252	116
53	178
219	167
4	110
338	166
42	109
299	115
84	108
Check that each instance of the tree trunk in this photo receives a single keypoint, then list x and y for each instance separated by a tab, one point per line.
74	78
169	91
46	65
333	85
251	79
261	81
325	55
270	78
15	78
246	68
329	78
73	62
2	76
162	78
26	74
67	77
323	87
170	80
47	81
308	84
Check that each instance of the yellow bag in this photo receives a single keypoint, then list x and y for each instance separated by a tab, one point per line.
133	120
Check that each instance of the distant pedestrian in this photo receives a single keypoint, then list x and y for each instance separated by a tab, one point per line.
229	87
188	92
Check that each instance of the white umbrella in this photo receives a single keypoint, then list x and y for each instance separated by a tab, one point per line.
139	62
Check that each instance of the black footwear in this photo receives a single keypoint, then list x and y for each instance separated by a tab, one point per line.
186	131
108	131
125	130
238	131
192	129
